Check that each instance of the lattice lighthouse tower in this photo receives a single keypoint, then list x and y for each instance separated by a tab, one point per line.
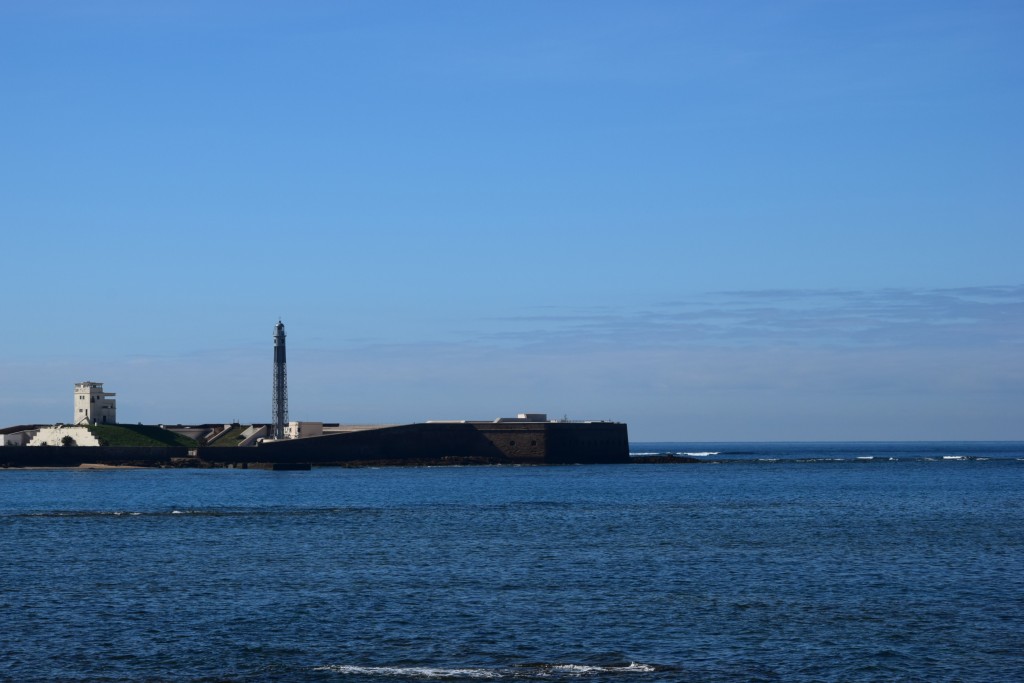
280	383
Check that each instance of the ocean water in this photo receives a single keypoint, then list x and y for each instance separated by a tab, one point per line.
763	562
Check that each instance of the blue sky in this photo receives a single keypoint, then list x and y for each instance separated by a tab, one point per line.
713	220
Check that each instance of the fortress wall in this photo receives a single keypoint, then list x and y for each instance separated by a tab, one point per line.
519	442
509	442
592	442
73	456
479	442
403	442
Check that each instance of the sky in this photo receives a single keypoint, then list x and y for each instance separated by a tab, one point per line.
713	220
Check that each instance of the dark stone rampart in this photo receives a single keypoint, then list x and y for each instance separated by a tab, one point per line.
73	456
477	443
468	442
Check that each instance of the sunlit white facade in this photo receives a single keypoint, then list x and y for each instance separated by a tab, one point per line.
93	406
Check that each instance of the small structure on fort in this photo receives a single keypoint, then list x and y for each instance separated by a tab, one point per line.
93	406
303	430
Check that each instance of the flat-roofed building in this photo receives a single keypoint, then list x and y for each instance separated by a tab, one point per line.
303	430
93	406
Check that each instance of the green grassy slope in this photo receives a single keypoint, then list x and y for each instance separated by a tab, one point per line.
138	435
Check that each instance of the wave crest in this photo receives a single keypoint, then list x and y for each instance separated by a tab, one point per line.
518	671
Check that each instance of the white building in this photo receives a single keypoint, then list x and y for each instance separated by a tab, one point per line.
93	405
302	430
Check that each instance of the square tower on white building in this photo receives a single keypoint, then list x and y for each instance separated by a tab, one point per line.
93	405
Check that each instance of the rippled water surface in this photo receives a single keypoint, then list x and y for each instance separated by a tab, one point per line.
773	566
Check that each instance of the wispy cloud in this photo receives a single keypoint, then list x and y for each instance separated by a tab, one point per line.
818	318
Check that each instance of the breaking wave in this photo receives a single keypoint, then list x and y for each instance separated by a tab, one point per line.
413	672
692	454
518	671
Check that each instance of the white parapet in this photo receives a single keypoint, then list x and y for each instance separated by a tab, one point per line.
55	436
251	435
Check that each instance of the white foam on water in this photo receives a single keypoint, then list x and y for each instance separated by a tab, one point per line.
632	667
954	457
865	457
692	454
416	672
526	671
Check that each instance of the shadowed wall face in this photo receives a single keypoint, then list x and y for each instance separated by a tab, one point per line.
536	443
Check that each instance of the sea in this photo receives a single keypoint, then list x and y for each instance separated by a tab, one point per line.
760	562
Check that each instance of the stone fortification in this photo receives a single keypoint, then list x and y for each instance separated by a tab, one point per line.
62	456
483	442
516	442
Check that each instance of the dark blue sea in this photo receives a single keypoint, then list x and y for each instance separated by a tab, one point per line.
762	562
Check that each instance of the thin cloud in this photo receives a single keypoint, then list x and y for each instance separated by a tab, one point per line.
828	318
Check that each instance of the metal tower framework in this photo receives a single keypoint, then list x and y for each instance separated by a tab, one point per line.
280	382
